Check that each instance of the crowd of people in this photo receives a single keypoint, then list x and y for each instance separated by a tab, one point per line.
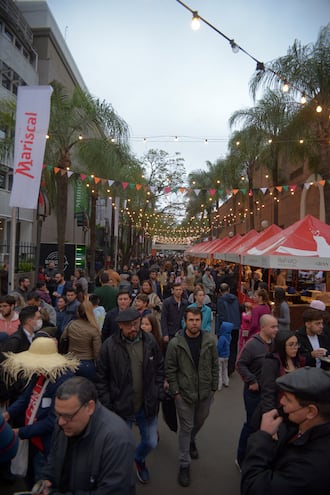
79	369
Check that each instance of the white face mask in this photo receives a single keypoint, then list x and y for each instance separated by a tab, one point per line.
38	325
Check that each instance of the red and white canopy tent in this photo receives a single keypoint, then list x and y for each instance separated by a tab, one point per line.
230	252
305	245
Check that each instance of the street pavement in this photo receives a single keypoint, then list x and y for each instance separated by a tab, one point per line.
214	472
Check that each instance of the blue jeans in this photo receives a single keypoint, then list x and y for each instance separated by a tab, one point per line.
148	433
87	369
251	401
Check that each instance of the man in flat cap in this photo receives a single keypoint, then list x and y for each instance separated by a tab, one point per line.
130	381
290	456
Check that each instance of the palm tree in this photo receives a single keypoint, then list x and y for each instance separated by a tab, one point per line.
72	118
245	148
270	118
307	70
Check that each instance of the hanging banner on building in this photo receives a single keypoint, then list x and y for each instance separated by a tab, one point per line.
32	121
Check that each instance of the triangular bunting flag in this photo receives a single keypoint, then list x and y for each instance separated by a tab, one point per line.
279	188
285	188
263	190
243	191
124	184
56	170
322	182
235	191
167	189
63	172
97	180
197	191
69	173
250	193
110	182
182	190
293	187
138	187
153	189
307	185
83	176
212	192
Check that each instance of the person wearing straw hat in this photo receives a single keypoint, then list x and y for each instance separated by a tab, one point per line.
32	414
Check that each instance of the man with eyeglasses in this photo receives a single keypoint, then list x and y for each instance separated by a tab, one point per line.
292	457
92	448
130	381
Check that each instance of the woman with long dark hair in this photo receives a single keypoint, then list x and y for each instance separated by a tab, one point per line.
149	324
284	359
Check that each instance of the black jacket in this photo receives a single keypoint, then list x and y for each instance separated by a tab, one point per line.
298	467
306	347
102	458
114	376
172	315
110	325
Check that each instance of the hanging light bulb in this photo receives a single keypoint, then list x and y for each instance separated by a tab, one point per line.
285	87
195	23
234	46
303	99
319	109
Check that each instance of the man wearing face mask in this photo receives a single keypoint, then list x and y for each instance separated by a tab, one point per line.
292	457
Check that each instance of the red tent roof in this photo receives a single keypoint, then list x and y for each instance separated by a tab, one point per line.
232	251
303	245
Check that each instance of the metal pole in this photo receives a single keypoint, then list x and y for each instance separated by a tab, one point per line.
12	251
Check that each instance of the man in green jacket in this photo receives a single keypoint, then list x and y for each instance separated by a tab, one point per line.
192	372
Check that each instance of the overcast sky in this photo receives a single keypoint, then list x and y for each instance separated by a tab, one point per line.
167	80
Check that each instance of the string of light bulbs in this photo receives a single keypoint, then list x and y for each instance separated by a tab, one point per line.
236	48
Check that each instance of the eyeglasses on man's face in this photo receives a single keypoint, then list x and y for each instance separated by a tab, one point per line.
68	417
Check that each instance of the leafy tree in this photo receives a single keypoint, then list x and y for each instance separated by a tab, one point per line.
73	117
271	118
307	70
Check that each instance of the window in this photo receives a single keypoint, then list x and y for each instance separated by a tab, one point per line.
9	35
2	180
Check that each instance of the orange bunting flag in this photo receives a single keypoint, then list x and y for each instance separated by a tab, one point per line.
138	186
56	170
235	191
279	188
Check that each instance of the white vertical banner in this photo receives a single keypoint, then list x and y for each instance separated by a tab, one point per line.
32	121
